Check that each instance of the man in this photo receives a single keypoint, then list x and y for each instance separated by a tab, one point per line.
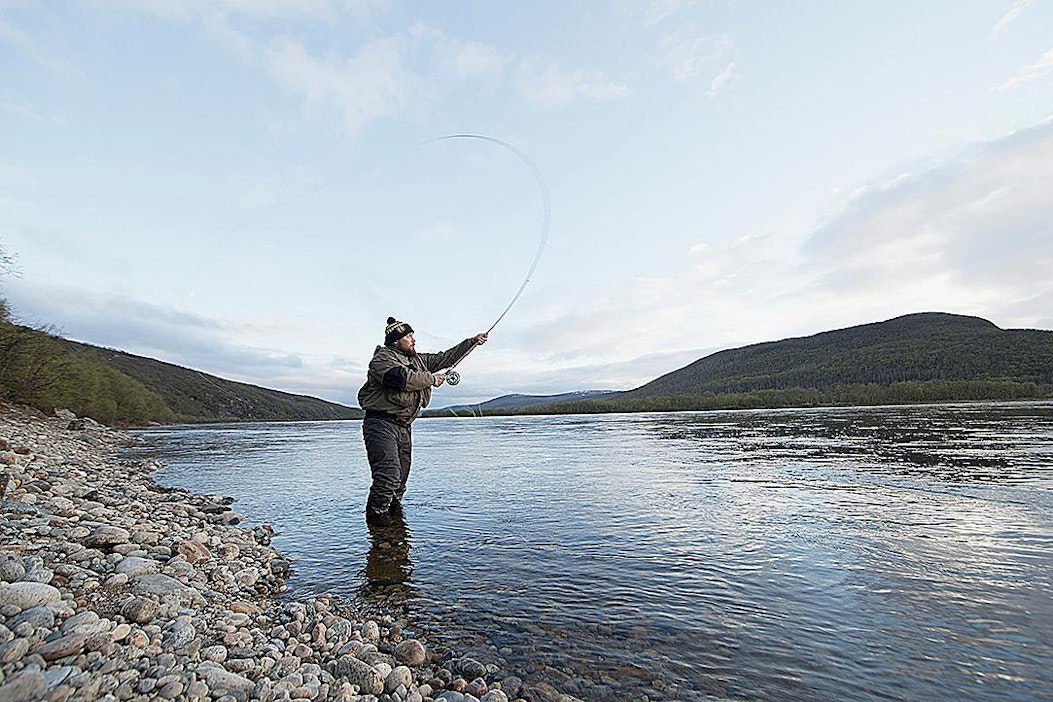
398	386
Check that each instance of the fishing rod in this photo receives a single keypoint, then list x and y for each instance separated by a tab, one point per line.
452	376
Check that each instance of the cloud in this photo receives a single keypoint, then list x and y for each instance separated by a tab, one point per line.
211	345
974	233
457	61
689	57
551	86
722	80
1010	15
1036	70
385	77
656	11
371	84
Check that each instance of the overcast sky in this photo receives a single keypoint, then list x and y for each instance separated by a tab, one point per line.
251	187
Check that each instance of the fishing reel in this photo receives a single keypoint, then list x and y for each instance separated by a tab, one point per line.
452	377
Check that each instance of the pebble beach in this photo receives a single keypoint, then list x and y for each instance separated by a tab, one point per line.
113	587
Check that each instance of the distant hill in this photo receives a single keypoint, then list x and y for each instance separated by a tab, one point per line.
196	396
517	401
915	347
925	357
42	370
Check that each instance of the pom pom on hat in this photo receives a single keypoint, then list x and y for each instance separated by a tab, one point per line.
395	330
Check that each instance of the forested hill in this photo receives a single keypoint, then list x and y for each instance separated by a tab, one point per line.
45	371
196	396
922	347
926	357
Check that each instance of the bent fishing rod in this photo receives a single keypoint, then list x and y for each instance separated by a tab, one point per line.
452	376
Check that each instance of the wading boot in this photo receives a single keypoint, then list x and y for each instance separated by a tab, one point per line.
379	518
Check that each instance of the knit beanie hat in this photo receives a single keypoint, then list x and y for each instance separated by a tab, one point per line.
395	331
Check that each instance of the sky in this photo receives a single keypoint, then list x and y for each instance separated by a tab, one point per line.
250	188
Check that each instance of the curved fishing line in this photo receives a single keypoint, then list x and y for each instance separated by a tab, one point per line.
545	203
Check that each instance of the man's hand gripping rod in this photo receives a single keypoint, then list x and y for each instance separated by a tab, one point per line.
452	376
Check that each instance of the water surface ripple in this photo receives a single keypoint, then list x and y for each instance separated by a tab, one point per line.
825	554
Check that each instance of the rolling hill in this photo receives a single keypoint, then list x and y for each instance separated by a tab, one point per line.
917	347
924	357
196	396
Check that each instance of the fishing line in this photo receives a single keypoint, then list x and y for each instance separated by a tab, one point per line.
452	376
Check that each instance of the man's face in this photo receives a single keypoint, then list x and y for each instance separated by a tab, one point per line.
407	344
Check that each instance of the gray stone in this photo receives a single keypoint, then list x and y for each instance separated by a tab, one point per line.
217	653
140	610
133	566
79	619
411	652
178	634
398	677
39	575
450	696
494	696
158	584
57	676
27	686
69	645
106	536
471	668
371	632
13	650
11	567
218	678
360	673
24	595
41	617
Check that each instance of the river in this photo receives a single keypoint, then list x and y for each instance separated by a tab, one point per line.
883	553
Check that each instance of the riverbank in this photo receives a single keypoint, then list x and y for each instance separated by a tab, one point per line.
113	587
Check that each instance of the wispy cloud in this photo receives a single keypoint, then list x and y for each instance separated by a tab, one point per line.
690	57
453	60
1036	70
19	40
722	81
551	86
974	232
657	11
1011	14
25	109
373	83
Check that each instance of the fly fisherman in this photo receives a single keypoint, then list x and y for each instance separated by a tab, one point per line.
398	386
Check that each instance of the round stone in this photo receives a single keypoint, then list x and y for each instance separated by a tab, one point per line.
25	595
134	565
140	610
411	652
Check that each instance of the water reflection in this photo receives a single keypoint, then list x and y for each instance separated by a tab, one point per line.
386	578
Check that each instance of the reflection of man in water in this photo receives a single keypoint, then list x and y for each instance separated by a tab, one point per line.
388	568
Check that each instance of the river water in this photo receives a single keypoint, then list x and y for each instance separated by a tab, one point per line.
891	553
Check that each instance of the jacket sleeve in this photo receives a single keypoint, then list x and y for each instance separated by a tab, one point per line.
439	361
385	371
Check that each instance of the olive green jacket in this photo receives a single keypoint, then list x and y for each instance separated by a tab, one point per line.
400	385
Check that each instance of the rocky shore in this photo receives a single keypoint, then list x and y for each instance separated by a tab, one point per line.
113	587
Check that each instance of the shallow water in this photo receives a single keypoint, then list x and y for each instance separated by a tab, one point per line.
828	554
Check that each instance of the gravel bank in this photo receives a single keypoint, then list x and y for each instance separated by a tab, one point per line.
113	587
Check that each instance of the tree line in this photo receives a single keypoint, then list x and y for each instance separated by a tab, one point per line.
37	369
